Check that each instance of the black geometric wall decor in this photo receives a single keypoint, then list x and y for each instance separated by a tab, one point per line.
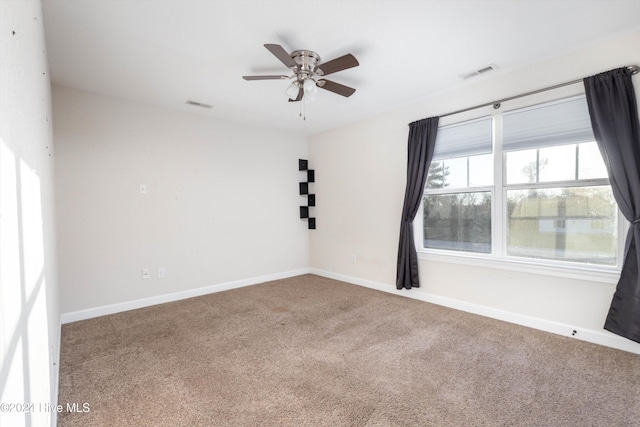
303	165
304	188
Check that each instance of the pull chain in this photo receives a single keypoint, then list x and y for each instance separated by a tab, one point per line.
303	109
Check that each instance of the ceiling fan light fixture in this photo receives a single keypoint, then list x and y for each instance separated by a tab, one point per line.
310	88
292	90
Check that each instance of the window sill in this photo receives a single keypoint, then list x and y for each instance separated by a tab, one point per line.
590	273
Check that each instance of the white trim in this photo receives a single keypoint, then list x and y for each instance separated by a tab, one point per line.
104	310
603	337
589	335
602	275
56	379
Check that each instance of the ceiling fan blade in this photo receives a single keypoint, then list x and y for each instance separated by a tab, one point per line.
264	77
299	97
335	87
279	52
342	63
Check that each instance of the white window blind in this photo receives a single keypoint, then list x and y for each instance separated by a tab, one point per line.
559	123
464	139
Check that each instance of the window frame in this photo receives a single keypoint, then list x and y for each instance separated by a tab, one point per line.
498	257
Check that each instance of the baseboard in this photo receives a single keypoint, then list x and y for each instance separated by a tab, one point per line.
603	337
56	375
176	296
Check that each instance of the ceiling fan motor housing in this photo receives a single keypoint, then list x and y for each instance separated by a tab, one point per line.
307	62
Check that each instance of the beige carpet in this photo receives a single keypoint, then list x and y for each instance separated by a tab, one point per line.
310	351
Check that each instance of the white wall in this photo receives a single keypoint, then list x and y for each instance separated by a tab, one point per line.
29	317
221	204
361	170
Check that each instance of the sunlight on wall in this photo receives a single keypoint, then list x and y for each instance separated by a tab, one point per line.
23	308
29	316
32	237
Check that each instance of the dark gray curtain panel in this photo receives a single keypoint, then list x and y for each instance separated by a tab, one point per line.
614	118
422	141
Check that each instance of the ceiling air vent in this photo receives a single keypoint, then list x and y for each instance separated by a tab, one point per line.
198	104
479	71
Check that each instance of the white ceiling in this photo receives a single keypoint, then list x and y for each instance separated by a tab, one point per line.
165	52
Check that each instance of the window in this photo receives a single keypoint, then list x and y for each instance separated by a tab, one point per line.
529	183
457	202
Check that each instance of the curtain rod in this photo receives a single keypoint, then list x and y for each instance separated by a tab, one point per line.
496	104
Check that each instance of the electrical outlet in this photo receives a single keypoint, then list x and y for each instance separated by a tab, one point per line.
161	273
354	258
143	188
145	273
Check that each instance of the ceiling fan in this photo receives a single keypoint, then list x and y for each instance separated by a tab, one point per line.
308	72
